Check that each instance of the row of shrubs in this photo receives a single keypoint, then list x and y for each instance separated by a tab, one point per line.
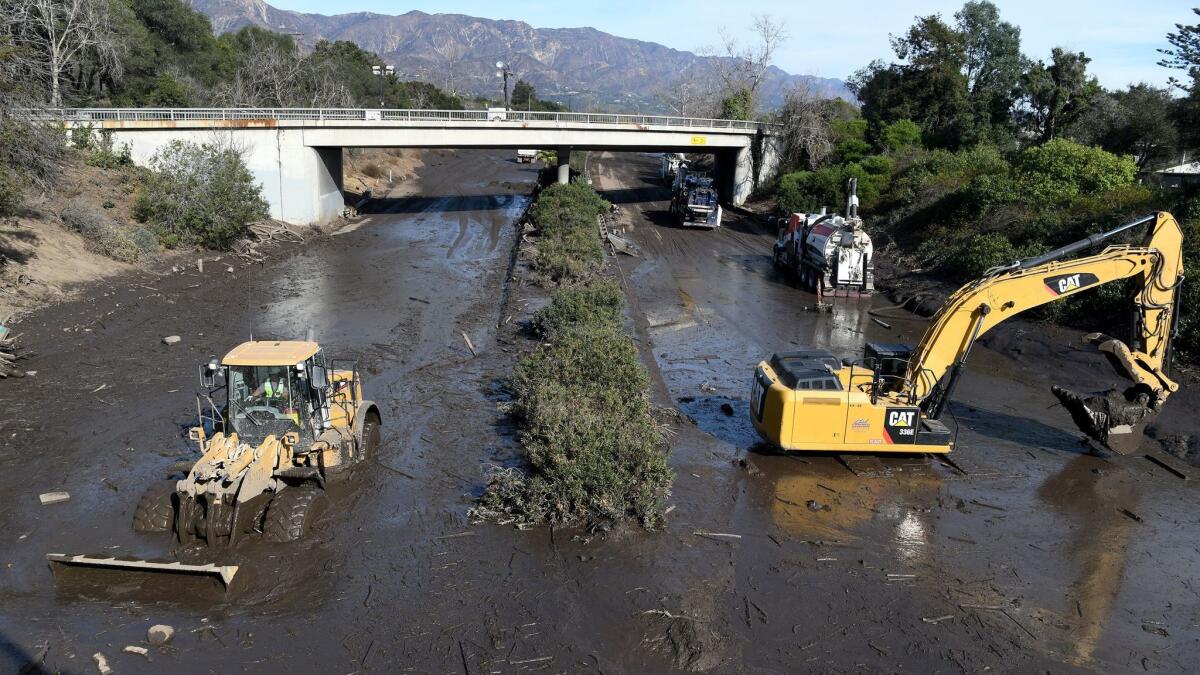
594	453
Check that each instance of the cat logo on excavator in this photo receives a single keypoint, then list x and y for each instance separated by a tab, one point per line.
1065	283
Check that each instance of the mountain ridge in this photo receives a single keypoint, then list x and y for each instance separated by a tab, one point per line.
580	66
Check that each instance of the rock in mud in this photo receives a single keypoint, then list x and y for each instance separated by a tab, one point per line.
102	664
727	409
160	634
171	340
53	497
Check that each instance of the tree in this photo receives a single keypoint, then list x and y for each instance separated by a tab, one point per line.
742	68
900	135
739	105
57	35
804	130
273	74
1184	53
201	194
993	65
1055	96
523	95
1138	121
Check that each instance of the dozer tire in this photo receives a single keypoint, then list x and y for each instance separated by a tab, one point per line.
292	512
155	510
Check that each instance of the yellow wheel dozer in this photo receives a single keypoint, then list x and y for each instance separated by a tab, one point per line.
277	422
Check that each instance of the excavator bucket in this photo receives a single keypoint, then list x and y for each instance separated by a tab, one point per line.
1109	418
123	576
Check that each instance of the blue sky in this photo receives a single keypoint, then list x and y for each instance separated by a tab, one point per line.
832	39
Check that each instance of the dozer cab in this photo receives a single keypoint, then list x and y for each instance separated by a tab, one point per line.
277	422
893	398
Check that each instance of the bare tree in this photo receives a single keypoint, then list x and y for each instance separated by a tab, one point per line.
805	136
687	95
55	35
271	77
743	67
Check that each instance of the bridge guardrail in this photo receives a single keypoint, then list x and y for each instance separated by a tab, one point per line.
386	115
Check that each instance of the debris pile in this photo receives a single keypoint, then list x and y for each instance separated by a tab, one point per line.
9	354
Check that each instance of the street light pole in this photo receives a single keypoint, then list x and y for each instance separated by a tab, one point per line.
503	71
382	72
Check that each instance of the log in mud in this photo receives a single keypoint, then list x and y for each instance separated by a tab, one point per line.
1028	559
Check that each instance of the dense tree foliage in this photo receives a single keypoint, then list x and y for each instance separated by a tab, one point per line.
524	97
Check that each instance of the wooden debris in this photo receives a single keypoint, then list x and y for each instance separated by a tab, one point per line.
468	341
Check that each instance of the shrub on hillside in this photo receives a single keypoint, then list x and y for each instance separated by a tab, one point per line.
103	235
978	253
201	194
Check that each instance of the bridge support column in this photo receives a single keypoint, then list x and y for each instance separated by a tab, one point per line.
735	175
564	165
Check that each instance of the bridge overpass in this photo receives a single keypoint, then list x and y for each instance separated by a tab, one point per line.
296	154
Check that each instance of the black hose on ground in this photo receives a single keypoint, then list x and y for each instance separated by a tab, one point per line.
908	315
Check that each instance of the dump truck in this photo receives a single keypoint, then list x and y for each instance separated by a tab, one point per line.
828	253
277	422
694	201
893	398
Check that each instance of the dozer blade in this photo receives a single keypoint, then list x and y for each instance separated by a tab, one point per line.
1109	418
66	568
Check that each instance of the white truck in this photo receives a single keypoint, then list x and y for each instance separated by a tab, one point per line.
526	156
828	252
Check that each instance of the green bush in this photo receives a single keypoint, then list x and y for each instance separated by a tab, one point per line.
900	135
10	191
101	152
199	194
103	235
976	254
595	304
808	191
594	450
569	244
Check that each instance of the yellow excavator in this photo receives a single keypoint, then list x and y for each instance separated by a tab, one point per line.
893	398
290	421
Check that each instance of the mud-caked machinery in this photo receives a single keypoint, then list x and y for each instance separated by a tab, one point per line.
694	200
277	423
893	398
826	252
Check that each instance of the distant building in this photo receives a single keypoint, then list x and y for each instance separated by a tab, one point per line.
1179	175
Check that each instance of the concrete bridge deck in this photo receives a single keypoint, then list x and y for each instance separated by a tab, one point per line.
296	154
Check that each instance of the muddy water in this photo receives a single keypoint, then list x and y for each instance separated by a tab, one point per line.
395	579
1035	558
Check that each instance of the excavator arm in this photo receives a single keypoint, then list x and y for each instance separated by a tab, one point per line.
1156	267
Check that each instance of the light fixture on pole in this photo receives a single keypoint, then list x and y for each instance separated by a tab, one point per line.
382	72
503	71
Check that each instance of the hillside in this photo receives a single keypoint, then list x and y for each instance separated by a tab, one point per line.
457	53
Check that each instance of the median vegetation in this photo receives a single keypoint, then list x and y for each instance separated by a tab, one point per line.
594	454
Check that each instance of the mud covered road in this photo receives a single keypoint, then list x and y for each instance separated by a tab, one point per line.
1043	558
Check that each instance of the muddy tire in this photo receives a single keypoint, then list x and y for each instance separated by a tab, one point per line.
371	437
292	513
155	511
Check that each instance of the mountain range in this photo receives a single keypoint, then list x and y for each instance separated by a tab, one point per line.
580	67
